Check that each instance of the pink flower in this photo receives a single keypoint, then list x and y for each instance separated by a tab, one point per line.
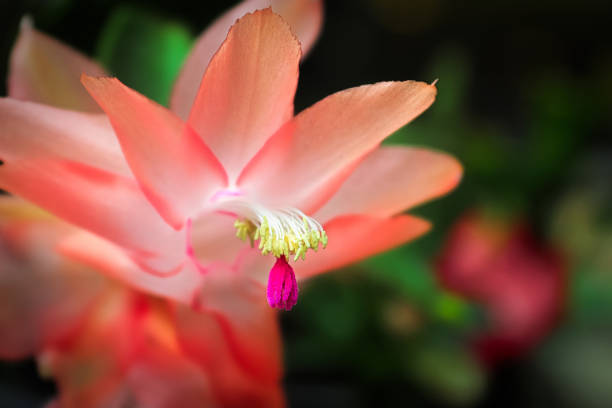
519	281
165	192
108	345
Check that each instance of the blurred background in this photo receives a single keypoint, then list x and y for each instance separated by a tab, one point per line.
508	301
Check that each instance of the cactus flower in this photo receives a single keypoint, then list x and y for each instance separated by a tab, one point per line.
227	182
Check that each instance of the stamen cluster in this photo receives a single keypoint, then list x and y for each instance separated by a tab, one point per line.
282	233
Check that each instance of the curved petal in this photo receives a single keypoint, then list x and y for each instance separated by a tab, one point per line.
175	169
247	91
104	203
356	237
304	16
32	130
180	284
306	161
42	69
391	180
236	338
159	379
44	298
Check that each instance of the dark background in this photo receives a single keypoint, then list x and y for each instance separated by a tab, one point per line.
525	97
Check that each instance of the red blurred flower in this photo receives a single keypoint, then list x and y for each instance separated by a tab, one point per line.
520	281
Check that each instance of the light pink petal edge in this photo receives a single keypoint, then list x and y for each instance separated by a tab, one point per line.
391	180
41	69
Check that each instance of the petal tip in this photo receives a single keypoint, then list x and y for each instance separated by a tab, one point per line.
26	24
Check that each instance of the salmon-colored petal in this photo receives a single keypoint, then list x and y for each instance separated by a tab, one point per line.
180	283
109	205
175	169
235	337
355	237
247	91
44	298
42	69
241	309
391	180
304	16
158	379
33	131
306	161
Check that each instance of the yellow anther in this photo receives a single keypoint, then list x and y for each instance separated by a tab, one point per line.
283	238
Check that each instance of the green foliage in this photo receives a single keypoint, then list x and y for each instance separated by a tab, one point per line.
143	50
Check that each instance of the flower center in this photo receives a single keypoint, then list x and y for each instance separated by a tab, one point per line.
280	232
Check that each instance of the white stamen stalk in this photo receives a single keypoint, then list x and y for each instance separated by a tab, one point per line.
281	232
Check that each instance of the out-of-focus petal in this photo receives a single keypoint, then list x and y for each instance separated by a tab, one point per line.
236	338
14	209
304	16
33	131
175	169
306	161
42	69
355	237
44	298
248	89
180	283
158	379
90	369
391	180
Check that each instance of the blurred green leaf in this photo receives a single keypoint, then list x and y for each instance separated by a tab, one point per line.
448	371
577	364
143	50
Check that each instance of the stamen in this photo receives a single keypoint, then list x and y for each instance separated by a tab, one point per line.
281	232
282	289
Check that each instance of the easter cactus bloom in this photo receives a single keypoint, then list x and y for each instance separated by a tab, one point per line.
519	281
108	345
234	185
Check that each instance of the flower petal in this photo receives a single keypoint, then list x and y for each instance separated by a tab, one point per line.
70	164
180	284
391	180
234	334
306	161
304	16
160	379
31	130
175	169
42	69
104	203
247	91
43	297
214	241
355	237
